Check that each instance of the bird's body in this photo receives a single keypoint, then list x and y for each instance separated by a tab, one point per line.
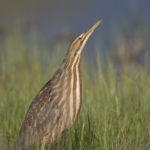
56	106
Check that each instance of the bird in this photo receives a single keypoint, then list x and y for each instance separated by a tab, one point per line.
57	105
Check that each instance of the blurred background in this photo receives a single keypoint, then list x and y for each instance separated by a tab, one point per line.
124	34
35	36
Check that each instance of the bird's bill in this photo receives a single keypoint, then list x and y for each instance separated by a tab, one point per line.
91	30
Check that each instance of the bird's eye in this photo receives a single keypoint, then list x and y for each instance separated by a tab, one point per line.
80	37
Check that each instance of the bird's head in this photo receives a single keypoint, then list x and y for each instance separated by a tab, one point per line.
79	42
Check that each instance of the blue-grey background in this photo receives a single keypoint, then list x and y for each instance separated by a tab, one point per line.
126	21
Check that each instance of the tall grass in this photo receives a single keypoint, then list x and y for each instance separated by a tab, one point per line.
115	109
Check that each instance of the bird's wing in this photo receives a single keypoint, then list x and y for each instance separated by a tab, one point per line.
41	116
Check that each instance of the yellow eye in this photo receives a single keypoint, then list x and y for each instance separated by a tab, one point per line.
80	36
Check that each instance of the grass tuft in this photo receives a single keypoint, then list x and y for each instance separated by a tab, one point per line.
115	108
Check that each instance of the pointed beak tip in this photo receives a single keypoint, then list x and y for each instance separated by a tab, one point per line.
95	25
100	20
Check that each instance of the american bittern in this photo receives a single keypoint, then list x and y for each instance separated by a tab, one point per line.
56	106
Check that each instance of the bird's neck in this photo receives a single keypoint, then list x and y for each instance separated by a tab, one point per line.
72	61
73	87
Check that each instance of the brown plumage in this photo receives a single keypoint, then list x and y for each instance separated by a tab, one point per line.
56	106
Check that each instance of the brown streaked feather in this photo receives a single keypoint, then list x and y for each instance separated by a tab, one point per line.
74	90
67	100
80	88
41	116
